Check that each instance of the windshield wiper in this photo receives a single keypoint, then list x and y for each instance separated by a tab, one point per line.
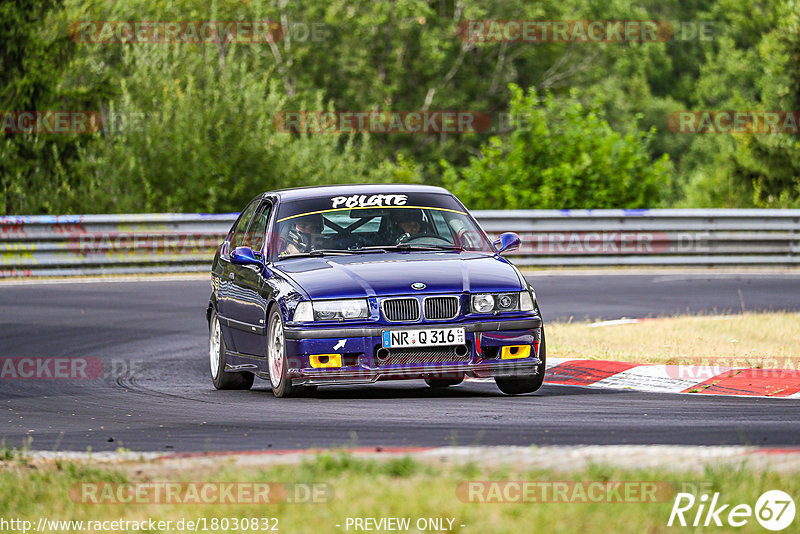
327	252
314	254
438	247
410	246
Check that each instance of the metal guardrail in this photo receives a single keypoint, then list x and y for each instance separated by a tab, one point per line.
702	237
98	244
109	244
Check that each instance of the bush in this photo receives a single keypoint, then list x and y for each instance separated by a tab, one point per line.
205	141
560	154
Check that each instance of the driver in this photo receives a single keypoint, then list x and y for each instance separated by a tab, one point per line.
305	234
410	223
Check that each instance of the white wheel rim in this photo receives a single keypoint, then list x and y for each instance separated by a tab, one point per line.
213	349
276	351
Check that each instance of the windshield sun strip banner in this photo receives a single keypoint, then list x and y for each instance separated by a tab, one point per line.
369	207
390	199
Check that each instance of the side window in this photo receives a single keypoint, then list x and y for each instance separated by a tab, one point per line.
464	237
241	225
257	231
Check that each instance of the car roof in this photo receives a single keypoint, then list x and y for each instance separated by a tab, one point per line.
355	189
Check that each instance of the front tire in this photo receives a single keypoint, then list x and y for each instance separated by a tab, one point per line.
216	356
526	384
276	356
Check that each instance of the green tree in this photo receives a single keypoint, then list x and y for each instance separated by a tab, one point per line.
34	167
756	68
194	127
196	134
559	154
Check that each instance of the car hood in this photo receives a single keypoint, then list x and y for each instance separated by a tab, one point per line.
393	273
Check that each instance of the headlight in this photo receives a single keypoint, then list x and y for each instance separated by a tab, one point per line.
330	310
505	302
482	303
502	302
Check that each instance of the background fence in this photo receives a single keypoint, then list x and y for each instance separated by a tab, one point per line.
95	244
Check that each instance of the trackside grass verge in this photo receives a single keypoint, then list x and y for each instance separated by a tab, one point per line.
396	488
759	340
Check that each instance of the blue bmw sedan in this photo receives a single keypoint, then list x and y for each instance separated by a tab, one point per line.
359	283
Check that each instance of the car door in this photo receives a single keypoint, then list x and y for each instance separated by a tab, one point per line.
247	306
226	286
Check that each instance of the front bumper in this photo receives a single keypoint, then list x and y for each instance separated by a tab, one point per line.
375	331
358	348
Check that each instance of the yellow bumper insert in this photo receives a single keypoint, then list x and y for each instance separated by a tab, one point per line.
325	360
513	352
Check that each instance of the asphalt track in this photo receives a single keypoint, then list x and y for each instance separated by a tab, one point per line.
151	335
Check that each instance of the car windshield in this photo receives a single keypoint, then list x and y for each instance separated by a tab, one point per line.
361	229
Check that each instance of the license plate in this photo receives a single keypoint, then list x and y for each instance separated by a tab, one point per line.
423	338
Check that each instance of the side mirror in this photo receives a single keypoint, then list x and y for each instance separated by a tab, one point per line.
507	242
244	256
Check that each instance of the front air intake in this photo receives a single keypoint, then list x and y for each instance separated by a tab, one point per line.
396	310
441	308
423	355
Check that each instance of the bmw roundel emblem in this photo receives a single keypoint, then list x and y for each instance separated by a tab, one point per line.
418	286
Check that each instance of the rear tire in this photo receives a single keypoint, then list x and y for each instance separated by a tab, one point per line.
438	383
526	384
216	355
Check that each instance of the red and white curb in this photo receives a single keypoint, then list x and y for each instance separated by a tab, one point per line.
692	379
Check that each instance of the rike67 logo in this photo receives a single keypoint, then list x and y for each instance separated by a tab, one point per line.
774	510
